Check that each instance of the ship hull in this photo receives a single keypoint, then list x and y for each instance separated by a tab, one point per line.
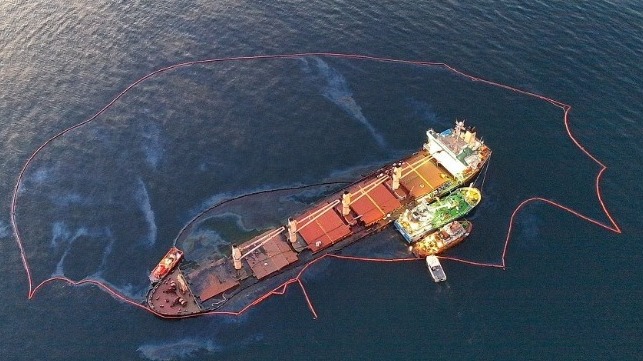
326	226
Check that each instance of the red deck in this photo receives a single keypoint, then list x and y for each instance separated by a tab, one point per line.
217	283
373	203
420	176
212	279
317	229
272	256
321	228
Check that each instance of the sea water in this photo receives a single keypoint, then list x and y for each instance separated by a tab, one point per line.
106	200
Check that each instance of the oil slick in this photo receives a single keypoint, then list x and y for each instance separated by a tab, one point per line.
143	200
337	90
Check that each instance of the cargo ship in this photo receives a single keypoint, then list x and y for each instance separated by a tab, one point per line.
444	238
447	161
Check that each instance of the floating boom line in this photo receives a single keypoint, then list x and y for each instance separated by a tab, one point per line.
611	226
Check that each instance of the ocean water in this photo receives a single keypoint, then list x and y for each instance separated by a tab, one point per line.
105	200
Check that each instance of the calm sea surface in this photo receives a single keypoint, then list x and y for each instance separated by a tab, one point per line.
106	200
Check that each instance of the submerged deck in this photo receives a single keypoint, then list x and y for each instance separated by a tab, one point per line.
273	255
213	279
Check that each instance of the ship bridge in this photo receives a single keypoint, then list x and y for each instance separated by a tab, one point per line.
455	150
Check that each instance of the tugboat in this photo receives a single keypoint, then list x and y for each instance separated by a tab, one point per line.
431	214
166	265
442	239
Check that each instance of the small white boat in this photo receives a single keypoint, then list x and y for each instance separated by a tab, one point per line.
435	268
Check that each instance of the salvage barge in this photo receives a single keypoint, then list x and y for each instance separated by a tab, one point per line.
447	161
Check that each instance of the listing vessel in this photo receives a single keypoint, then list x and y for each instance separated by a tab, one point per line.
447	161
446	237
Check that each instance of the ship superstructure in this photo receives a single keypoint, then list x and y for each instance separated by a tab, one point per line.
458	150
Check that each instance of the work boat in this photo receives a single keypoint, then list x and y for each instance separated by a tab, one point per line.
442	239
432	213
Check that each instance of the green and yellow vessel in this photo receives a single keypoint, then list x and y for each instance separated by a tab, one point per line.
431	213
